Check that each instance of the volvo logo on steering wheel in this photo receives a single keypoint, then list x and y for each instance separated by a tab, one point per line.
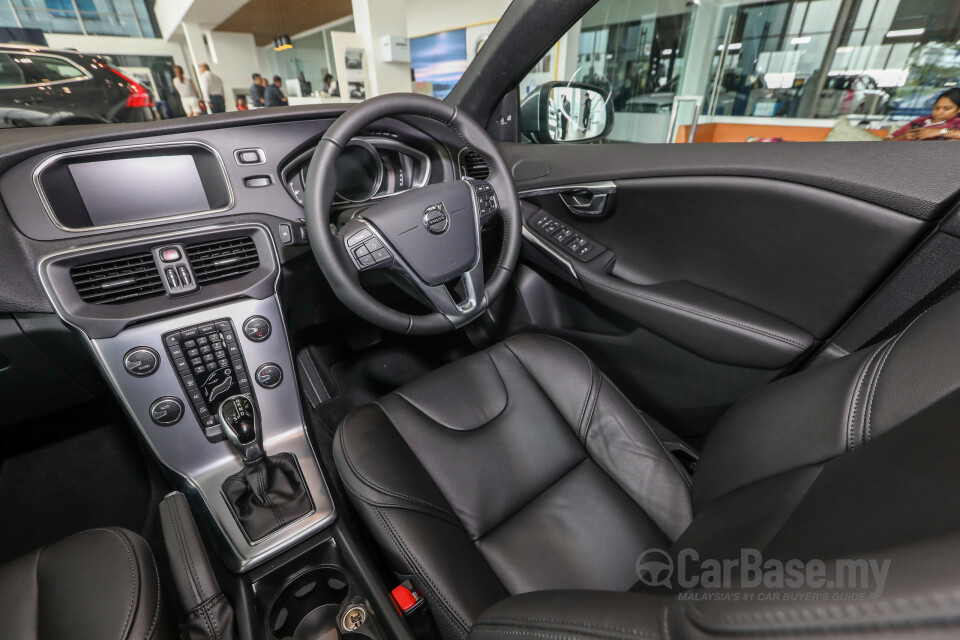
435	218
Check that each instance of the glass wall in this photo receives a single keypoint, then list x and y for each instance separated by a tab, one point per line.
90	17
776	66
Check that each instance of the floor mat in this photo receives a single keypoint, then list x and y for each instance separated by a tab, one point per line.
68	472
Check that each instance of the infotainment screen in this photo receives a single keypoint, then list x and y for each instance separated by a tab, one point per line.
139	188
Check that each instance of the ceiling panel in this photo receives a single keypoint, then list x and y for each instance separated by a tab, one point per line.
267	19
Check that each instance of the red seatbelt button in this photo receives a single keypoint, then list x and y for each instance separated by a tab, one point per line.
405	598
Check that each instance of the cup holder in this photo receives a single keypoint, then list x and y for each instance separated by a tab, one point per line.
308	607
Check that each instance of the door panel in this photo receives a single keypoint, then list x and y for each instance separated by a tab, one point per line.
705	286
801	254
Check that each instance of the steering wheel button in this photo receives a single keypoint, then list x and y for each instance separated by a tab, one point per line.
359	237
360	251
366	260
373	245
380	255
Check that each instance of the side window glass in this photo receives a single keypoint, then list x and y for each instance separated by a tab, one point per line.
46	69
10	73
756	71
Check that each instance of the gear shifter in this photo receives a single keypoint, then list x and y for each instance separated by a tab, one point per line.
269	492
241	424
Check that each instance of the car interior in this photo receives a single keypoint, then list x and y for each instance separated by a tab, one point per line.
394	371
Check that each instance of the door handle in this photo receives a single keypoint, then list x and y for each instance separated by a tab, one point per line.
587	201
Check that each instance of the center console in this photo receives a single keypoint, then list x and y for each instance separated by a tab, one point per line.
174	359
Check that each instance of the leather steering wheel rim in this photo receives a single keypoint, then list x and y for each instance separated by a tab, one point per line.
329	247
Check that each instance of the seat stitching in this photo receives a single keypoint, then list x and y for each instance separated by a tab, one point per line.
133	580
698	312
374	485
852	410
665	622
536	381
187	559
880	369
593	408
590	367
156	609
187	556
508	620
670	457
391	505
419	568
533	499
503	383
872	388
523	627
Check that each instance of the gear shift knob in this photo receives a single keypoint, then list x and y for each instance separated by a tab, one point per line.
241	424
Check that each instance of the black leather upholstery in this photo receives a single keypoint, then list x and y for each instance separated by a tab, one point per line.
101	583
267	494
523	469
209	614
516	469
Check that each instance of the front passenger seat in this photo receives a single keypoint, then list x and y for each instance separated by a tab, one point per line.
523	468
98	584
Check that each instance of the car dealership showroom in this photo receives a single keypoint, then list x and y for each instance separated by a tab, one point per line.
479	320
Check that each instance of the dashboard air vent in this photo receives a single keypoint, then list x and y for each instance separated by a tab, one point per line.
223	259
117	280
473	164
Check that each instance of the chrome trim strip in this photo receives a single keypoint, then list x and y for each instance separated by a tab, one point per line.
550	251
198	467
606	186
86	152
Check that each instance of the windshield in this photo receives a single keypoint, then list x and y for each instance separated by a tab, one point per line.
70	62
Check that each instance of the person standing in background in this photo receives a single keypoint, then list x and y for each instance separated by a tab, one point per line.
587	104
274	96
256	91
212	87
189	97
242	103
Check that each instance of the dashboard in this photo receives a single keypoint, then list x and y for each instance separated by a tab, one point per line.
162	246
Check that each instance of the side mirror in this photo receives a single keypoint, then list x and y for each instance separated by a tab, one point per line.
566	112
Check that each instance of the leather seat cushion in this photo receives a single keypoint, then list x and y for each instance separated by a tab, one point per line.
101	583
515	469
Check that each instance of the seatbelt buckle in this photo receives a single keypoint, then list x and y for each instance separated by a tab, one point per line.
406	598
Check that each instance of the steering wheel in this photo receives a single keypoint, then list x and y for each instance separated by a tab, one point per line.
428	235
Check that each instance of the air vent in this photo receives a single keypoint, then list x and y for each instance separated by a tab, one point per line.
118	280
223	259
473	164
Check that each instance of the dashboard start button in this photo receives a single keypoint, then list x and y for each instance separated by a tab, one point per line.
141	361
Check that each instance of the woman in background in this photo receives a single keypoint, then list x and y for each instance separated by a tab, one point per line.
242	103
942	124
189	97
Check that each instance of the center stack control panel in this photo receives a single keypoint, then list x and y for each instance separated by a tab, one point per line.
210	366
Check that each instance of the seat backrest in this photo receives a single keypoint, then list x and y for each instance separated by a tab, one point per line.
854	455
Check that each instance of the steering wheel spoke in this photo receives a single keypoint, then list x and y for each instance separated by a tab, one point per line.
472	302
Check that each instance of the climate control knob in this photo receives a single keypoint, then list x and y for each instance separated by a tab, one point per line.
268	375
141	361
166	411
256	328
